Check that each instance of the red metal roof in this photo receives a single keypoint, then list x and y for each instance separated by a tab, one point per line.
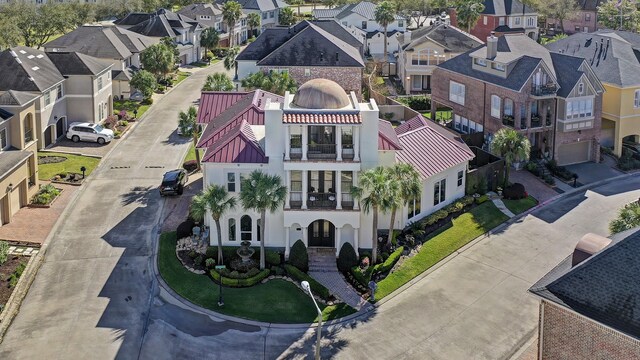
387	137
411	124
323	118
432	149
238	145
229	120
213	103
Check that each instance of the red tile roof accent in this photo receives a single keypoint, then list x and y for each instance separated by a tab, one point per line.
432	149
238	145
387	138
323	118
411	124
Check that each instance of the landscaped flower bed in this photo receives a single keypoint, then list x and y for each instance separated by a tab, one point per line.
11	268
68	178
45	196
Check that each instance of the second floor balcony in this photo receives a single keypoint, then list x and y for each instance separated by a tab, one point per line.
546	90
326	143
325	190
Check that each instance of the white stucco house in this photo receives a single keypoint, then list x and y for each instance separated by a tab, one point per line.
318	141
360	15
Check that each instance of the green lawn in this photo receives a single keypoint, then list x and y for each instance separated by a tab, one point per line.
191	155
440	114
520	206
204	64
444	242
181	76
72	164
275	301
129	106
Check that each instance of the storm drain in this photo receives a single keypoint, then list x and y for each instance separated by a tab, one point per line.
154	167
120	167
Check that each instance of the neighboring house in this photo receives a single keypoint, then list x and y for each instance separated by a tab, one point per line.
318	141
269	10
584	21
590	302
613	56
113	44
553	99
210	15
375	43
360	15
307	50
185	32
18	161
423	49
61	88
503	17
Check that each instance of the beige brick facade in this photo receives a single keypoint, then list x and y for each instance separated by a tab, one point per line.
350	78
564	334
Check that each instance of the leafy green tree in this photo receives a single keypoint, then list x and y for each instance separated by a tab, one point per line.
157	59
384	15
253	23
209	39
187	122
81	12
287	17
218	82
560	10
375	192
171	45
229	60
231	13
277	83
628	218
468	12
217	202
10	33
38	23
145	82
262	192
609	15
417	11
408	187
295	3
512	147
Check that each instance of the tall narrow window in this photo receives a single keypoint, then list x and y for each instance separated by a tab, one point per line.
3	139
636	99
414	207
508	107
495	106
232	229
231	182
460	177
439	191
245	228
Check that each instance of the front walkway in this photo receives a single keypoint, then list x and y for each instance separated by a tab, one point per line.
333	281
502	207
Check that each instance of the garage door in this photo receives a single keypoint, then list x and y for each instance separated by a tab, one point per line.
574	153
15	199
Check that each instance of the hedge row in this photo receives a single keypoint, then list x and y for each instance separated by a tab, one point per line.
442	214
363	277
240	282
229	252
316	287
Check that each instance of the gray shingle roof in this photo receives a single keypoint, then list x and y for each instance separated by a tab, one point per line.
133	18
567	72
334	28
364	8
10	159
260	5
162	23
27	69
505	7
4	114
269	40
77	64
12	97
449	37
611	54
105	42
605	287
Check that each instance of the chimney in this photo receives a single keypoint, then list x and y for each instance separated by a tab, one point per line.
587	246
492	46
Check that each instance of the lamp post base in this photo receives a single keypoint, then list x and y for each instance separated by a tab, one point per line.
221	303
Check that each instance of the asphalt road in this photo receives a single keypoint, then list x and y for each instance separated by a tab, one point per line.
95	296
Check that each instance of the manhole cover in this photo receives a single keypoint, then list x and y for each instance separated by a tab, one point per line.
50	159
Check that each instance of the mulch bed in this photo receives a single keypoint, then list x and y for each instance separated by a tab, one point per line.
68	178
188	261
6	270
50	159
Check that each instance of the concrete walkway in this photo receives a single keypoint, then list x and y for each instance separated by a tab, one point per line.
334	281
502	207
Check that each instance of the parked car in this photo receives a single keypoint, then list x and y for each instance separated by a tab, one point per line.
89	132
173	182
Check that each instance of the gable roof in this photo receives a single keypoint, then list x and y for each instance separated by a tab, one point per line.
213	103
19	98
432	149
589	5
260	5
72	63
162	23
239	145
194	11
506	7
365	9
411	124
449	37
568	72
387	137
27	69
605	287
10	159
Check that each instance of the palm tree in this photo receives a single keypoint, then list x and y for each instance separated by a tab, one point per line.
209	39
468	12
408	188
253	22
218	82
384	15
628	218
230	59
189	127
231	13
198	208
217	202
512	146
262	192
375	192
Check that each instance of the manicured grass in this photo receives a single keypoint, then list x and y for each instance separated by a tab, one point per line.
72	164
275	301
129	106
181	76
440	114
520	206
204	64
444	242
191	155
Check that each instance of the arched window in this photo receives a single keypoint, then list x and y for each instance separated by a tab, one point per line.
232	229
245	228
28	128
508	107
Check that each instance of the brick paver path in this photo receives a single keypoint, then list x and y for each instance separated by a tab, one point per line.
534	186
333	281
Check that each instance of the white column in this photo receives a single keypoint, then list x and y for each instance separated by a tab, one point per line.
305	142
286	244
356	204
338	143
355	240
338	240
356	143
287	146
287	182
305	185
305	236
338	190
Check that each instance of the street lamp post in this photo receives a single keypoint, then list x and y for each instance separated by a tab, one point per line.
307	288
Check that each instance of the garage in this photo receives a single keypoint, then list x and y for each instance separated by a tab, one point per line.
574	153
16	197
47	136
60	127
183	60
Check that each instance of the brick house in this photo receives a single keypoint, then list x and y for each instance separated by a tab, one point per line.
589	303
585	19
307	50
503	17
553	99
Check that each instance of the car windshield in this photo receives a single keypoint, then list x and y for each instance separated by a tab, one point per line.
98	128
169	178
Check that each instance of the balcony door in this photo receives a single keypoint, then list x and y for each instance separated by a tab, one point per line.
322	234
322	182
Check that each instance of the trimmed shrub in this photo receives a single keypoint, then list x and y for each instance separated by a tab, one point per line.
272	257
209	262
15	276
515	192
316	287
4	252
467	200
228	253
347	257
147	101
190	165
481	199
184	229
220	52
299	257
362	277
389	263
111	121
246	282
198	260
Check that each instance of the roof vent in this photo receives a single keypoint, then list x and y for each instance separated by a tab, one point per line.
22	52
31	79
30	57
35	68
40	56
587	246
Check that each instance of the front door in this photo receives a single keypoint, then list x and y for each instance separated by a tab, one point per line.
322	234
47	136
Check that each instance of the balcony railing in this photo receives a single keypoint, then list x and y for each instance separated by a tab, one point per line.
28	136
321	151
317	200
535	121
543	90
508	120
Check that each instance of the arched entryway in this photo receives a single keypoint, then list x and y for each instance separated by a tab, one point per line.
322	234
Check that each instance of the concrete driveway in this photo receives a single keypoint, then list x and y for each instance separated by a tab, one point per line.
591	172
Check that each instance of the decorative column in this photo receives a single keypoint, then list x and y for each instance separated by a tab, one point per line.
305	236
287	229
305	185
287	146
338	240
356	143
338	190
356	205
287	182
339	143
355	240
305	142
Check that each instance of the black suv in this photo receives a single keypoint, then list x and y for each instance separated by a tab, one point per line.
173	182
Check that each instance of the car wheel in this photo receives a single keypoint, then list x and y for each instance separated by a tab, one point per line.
75	138
180	190
100	140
